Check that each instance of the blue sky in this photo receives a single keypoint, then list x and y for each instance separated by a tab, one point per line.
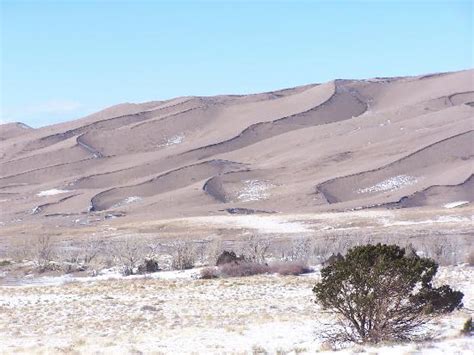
61	60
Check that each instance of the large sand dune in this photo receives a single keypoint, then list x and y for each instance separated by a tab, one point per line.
345	144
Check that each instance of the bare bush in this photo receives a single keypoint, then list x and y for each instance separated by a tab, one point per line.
79	257
183	255
44	253
243	269
256	249
299	249
290	268
442	250
129	254
214	250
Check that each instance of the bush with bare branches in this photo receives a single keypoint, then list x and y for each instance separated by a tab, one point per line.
183	255
256	249
129	254
44	252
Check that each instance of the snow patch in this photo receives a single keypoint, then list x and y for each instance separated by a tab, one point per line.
264	224
391	184
128	200
456	204
254	190
51	192
441	219
173	140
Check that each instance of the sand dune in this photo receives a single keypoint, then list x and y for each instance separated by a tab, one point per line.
345	144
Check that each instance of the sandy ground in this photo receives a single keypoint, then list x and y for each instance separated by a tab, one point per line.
175	313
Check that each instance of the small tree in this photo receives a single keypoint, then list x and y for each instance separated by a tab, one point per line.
379	294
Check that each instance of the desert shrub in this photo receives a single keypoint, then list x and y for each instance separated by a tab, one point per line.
256	249
290	268
5	262
379	294
227	257
129	254
149	265
301	249
214	249
467	328
243	269
44	252
183	255
209	273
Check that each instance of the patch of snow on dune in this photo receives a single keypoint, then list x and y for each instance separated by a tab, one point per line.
456	204
128	200
51	192
254	190
173	140
391	184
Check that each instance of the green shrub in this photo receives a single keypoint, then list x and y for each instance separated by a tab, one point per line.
379	294
467	329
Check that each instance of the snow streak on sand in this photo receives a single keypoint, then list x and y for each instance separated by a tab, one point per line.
391	184
254	190
51	192
440	219
127	201
173	140
456	204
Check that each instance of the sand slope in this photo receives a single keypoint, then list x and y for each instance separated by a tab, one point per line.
345	144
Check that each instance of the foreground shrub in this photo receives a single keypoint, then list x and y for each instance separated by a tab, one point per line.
379	294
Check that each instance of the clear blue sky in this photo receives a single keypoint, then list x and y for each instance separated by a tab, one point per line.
62	60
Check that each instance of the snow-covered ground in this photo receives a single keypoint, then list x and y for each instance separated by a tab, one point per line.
177	314
391	184
262	224
51	192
